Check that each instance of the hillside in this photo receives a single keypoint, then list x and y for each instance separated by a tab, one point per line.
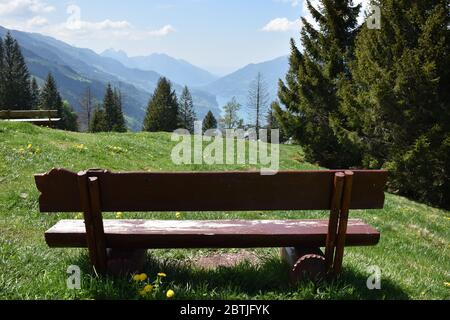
237	83
76	68
177	70
413	254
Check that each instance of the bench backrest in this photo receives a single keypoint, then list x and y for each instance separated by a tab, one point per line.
208	191
28	114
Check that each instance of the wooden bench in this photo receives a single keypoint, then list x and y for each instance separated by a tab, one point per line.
97	191
38	117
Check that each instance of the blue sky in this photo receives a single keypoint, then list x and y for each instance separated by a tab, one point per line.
219	35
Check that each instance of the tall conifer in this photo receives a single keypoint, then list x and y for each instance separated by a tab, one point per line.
187	113
16	78
163	110
310	92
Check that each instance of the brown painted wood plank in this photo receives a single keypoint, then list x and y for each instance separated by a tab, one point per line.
97	224
20	114
38	121
152	234
343	222
334	219
210	191
88	224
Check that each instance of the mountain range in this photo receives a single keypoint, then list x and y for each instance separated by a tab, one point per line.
75	69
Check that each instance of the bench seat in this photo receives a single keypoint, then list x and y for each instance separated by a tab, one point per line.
153	234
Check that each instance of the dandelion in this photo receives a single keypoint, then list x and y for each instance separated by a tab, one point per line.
162	275
29	146
447	284
170	294
119	215
148	288
137	277
143	277
179	215
142	293
80	147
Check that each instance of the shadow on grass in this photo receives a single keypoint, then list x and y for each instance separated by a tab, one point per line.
268	279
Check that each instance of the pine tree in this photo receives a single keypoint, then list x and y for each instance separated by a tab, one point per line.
401	97
312	113
209	122
187	112
50	99
35	94
274	124
2	81
119	122
16	78
163	109
98	122
109	105
69	117
230	119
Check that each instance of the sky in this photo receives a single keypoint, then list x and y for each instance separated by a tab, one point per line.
218	35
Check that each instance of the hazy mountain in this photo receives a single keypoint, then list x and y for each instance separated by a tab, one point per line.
177	70
237	83
75	69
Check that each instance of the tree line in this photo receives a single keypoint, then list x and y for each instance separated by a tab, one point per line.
20	91
357	97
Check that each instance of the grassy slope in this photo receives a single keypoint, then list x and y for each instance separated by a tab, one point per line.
413	253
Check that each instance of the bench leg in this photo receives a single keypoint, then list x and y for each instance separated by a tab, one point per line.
122	262
304	263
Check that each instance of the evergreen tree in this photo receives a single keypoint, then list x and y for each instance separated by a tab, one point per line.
187	113
119	123
98	122
50	99
2	81
209	122
230	119
273	123
162	110
15	77
109	105
35	94
310	93
400	97
69	117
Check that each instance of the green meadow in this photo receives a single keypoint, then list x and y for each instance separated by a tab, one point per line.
413	254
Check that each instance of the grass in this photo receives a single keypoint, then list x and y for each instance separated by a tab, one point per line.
413	253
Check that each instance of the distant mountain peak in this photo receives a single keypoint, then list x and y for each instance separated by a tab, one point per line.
115	54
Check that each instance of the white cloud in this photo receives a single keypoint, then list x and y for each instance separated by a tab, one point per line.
75	23
23	7
282	25
164	31
37	21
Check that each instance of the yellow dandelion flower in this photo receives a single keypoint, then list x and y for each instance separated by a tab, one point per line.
119	215
29	146
148	288
143	277
170	294
179	215
162	275
142	293
447	284
137	277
